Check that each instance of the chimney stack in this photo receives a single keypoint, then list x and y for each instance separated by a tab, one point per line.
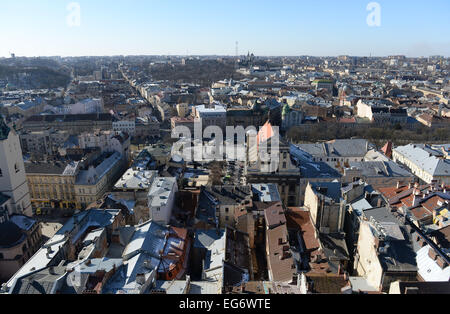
380	202
416	200
140	279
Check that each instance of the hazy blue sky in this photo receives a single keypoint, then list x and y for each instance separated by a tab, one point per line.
265	27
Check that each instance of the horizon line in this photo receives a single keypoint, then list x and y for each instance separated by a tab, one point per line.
229	56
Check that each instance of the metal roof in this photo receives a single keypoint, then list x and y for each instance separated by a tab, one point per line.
425	159
429	270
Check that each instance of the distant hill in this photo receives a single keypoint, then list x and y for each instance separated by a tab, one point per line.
33	77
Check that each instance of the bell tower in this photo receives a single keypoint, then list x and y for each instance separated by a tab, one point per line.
13	181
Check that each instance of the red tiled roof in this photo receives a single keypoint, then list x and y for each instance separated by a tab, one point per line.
347	120
180	233
299	218
390	192
327	283
432	203
279	257
274	215
421	213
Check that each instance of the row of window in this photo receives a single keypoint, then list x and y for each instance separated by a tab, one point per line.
49	180
337	159
292	188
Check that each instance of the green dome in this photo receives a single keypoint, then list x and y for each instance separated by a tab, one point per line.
286	109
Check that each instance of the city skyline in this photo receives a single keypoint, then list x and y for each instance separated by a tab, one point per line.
152	172
410	28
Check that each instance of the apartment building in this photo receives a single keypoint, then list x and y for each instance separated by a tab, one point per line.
107	141
52	184
211	115
381	112
44	142
71	184
20	238
324	200
424	162
126	126
73	123
377	173
91	184
338	153
161	199
385	251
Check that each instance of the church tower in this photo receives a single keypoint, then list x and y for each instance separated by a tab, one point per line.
13	181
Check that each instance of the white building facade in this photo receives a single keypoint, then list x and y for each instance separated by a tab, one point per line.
423	164
126	126
161	199
211	115
13	181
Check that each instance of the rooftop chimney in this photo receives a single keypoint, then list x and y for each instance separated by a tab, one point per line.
140	279
441	262
380	202
295	279
432	254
